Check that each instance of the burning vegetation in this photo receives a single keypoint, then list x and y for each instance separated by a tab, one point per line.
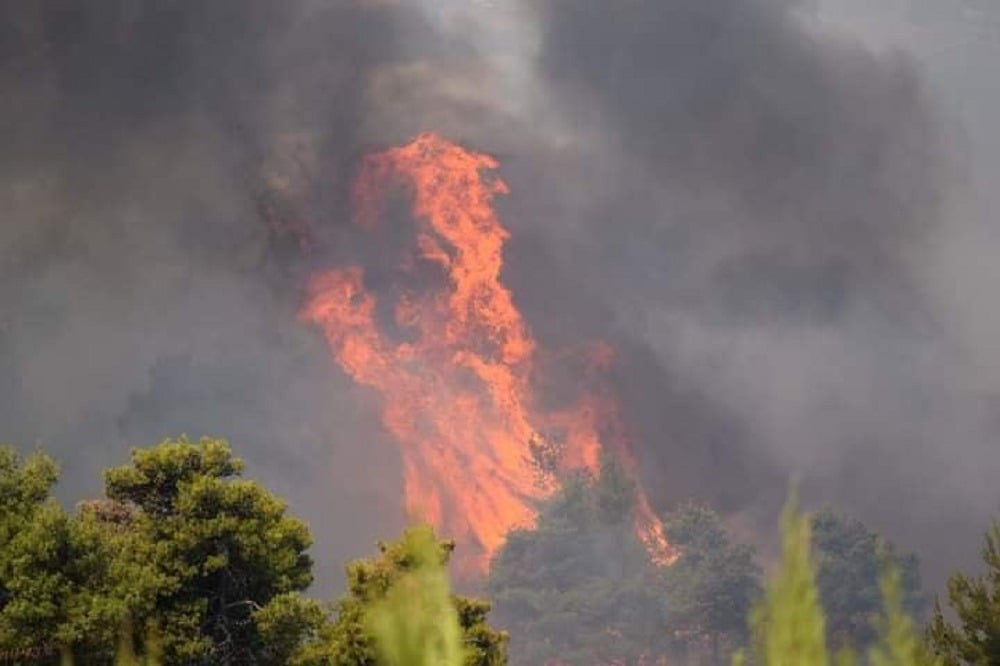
453	360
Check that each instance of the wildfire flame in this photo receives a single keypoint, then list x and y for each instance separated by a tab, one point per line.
453	358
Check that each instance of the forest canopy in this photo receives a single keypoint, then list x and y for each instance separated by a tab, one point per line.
184	561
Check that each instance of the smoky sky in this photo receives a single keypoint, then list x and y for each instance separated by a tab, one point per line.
150	254
760	202
749	205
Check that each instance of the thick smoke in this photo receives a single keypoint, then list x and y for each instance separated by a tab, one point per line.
749	206
759	202
154	182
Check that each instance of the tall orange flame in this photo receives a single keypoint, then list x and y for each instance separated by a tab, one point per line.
456	375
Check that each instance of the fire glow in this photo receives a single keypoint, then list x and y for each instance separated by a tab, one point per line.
456	367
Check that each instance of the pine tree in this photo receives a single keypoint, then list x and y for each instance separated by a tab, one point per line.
975	639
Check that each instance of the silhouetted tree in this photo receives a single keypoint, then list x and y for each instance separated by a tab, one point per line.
975	638
579	587
712	586
849	559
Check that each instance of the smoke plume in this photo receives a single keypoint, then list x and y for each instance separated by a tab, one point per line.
749	206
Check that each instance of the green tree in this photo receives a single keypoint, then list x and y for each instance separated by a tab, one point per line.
975	639
789	624
712	586
789	627
897	641
850	559
579	588
50	565
209	558
416	623
286	624
349	639
32	541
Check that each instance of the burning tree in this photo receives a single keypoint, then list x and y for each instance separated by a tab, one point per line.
452	357
580	588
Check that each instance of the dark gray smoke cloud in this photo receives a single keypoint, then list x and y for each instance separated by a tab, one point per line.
750	206
154	203
761	202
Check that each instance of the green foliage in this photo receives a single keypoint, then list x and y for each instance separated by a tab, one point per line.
207	551
24	485
182	550
33	575
47	566
126	653
284	624
579	588
405	581
789	627
714	583
416	623
898	642
789	624
483	645
186	563
975	639
849	559
155	479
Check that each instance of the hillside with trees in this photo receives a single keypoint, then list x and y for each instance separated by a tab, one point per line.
184	561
